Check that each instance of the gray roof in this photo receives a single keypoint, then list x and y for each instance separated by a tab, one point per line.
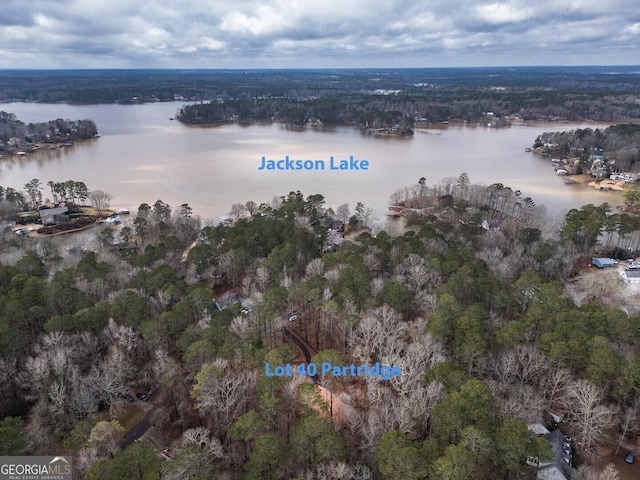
550	472
230	300
538	428
603	262
51	212
560	444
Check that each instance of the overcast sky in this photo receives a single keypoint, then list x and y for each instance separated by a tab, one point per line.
319	33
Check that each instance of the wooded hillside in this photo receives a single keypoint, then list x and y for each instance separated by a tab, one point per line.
476	318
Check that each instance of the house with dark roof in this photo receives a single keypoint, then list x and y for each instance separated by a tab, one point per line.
54	216
560	467
229	300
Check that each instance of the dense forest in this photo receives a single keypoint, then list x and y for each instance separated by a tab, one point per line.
374	97
468	301
424	103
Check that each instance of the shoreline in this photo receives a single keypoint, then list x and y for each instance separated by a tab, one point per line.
38	147
589	181
436	125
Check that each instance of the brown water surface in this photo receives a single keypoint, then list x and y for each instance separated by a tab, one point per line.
143	156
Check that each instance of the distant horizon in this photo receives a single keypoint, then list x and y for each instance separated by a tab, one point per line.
265	69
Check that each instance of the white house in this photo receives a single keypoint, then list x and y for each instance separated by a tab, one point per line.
630	276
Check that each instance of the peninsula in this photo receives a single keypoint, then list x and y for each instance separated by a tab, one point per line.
18	138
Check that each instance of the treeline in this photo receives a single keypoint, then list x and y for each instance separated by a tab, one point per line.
618	145
372	111
15	133
336	96
405	108
13	201
591	225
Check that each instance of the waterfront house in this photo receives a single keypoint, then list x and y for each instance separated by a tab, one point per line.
54	216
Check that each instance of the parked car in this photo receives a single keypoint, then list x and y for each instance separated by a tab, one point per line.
630	458
168	452
293	318
141	396
127	396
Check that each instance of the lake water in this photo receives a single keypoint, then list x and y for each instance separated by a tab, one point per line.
143	156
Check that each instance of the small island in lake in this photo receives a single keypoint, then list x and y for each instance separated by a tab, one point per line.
391	132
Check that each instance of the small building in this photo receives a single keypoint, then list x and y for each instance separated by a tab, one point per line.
602	262
630	275
229	300
491	225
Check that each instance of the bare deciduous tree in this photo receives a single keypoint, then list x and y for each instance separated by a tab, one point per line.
334	471
223	393
524	364
202	437
333	275
592	419
610	472
237	210
380	331
122	335
100	200
371	259
377	286
315	267
251	207
629	420
343	213
242	327
555	385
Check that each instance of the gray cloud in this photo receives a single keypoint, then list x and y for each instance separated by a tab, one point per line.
332	33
